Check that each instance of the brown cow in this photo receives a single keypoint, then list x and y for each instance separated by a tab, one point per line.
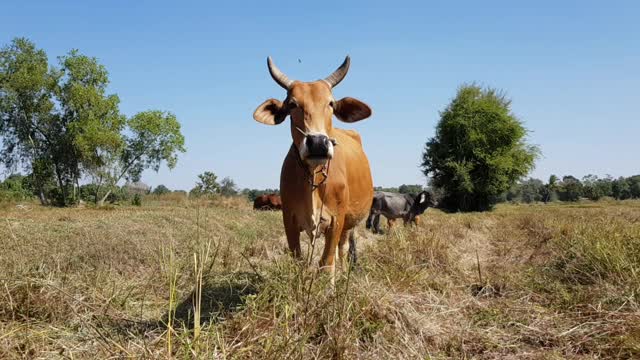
325	183
267	202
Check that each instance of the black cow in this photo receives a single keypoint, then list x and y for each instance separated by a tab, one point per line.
395	205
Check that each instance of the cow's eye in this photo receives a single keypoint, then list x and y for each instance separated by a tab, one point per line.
293	104
332	104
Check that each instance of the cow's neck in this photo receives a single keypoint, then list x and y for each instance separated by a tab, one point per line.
314	197
312	193
321	214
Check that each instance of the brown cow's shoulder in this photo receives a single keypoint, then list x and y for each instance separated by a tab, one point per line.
352	134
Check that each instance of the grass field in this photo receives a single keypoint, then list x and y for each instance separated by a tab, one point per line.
183	279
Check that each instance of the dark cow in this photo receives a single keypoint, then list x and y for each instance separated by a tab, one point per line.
267	202
395	205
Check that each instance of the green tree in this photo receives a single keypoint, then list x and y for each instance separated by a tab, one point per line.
55	121
595	188
570	189
526	191
228	187
513	194
153	137
91	118
208	184
551	189
410	189
620	188
62	126
479	150
15	187
634	186
532	190
161	190
27	123
386	189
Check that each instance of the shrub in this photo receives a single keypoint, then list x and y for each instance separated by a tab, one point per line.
479	150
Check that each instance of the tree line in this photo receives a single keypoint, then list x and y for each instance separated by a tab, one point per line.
208	185
61	127
402	189
570	188
18	187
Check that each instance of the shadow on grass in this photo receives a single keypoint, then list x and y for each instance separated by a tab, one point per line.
222	295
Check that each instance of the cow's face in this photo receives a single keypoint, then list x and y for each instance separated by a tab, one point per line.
421	202
311	107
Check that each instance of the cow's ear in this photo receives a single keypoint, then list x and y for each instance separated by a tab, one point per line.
351	110
271	112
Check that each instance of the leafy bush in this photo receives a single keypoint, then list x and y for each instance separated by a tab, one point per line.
15	188
571	189
479	150
207	186
161	190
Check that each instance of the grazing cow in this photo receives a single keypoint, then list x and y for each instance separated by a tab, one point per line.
325	183
394	206
267	202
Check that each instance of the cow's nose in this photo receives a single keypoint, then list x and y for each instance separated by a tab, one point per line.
317	146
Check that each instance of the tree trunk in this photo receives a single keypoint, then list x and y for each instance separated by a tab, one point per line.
63	190
95	196
40	189
43	199
78	191
75	194
104	198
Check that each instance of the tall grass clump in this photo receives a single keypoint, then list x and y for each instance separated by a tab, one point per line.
591	280
596	252
408	258
171	272
601	250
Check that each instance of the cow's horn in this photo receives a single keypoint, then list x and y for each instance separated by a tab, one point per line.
337	76
278	75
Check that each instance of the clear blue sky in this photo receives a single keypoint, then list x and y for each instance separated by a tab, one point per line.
572	69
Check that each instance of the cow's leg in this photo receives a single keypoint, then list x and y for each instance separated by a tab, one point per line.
390	223
343	241
351	236
376	224
332	238
416	220
369	222
293	236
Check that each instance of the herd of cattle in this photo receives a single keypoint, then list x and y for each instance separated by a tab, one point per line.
392	205
326	185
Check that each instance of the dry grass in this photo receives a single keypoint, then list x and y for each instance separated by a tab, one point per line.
213	279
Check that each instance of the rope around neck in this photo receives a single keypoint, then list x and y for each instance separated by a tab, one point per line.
311	179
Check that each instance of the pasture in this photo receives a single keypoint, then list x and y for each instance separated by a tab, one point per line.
213	279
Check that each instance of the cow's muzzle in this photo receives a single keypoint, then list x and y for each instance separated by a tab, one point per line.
316	149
